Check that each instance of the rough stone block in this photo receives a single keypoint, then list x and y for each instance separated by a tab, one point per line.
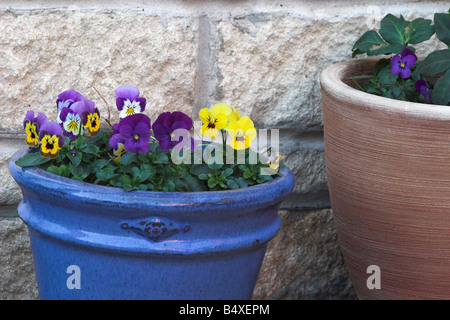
304	261
44	53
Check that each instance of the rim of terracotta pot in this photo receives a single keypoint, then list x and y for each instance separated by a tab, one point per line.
262	195
332	80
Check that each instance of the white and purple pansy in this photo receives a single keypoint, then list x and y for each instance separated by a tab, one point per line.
65	100
71	124
128	101
32	125
89	115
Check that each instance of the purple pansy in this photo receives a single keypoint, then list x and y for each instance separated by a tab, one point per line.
424	89
66	99
32	125
128	101
133	132
51	139
165	126
89	115
401	65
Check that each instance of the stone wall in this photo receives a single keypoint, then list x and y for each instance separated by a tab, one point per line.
264	57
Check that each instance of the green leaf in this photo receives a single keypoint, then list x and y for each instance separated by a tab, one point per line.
419	30
441	92
436	62
368	42
203	176
232	184
162	158
128	158
75	159
442	25
32	159
91	149
55	170
99	164
392	29
194	184
215	166
212	183
227	172
385	76
106	173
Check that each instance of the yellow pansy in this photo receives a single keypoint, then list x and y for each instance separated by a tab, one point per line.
93	124
242	133
50	146
214	119
120	151
32	138
274	161
235	115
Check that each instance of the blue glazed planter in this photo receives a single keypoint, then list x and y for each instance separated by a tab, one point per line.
146	245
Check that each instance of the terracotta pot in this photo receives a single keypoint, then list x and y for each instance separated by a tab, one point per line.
388	169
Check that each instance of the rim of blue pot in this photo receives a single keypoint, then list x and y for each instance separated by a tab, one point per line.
261	195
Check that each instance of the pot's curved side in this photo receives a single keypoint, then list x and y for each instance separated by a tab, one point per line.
147	245
388	173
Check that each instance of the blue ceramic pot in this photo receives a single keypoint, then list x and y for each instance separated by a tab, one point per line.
96	242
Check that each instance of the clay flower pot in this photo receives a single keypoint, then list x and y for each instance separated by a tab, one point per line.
97	242
388	169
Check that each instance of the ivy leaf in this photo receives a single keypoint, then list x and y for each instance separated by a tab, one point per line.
419	30
392	29
442	25
441	92
436	62
31	159
368	42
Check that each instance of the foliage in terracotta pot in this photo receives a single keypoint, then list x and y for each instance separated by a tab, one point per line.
386	154
401	76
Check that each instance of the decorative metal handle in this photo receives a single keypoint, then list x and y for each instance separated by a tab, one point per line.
155	228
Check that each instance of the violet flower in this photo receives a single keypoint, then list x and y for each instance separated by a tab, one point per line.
423	88
65	99
32	125
89	115
51	138
128	101
401	65
166	124
133	132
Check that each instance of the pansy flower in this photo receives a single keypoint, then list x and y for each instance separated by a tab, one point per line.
214	119
242	133
128	101
89	115
166	124
117	143
423	88
133	132
32	125
51	138
401	65
71	123
65	100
